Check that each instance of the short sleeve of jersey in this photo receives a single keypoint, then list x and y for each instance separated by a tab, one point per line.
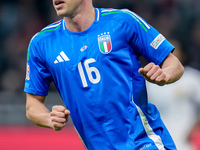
146	40
38	77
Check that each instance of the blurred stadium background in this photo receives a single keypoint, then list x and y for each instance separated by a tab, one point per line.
21	19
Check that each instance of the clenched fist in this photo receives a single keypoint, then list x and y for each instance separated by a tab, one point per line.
154	74
59	116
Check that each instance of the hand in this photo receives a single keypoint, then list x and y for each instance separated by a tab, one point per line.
59	116
154	74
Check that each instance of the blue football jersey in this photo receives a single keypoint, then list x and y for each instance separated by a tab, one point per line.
96	74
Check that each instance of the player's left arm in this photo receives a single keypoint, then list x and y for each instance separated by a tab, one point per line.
168	72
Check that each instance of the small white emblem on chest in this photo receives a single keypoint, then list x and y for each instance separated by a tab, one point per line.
83	48
62	57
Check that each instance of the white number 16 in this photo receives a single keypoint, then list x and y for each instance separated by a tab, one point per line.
89	71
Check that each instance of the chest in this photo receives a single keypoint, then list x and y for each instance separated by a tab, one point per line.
91	57
69	50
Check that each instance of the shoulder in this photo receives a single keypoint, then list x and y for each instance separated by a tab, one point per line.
39	39
48	31
123	15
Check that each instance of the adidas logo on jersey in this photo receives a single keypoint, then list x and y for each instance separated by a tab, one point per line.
61	58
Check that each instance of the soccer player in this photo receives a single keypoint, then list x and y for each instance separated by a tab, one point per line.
92	56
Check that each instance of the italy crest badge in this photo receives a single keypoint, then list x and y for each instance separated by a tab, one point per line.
105	44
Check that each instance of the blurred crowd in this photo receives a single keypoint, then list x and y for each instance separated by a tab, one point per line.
177	20
19	21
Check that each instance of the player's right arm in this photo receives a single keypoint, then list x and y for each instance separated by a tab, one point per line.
37	112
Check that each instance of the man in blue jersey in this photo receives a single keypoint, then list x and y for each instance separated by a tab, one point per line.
92	56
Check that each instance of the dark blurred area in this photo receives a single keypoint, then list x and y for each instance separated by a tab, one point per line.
21	19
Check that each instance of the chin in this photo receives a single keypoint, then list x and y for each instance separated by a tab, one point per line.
60	12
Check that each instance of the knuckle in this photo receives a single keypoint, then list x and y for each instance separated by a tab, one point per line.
64	120
152	78
163	76
55	124
52	113
58	120
151	63
58	125
54	107
156	67
53	119
58	107
61	115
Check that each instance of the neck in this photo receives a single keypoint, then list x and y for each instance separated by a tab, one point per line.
81	21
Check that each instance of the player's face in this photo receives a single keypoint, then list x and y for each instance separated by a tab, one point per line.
67	8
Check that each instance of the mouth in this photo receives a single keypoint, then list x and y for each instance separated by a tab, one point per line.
58	2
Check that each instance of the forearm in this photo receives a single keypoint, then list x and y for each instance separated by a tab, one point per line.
172	68
40	118
37	112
